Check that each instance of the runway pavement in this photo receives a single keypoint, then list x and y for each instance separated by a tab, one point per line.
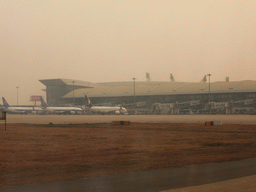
157	180
242	184
150	181
77	119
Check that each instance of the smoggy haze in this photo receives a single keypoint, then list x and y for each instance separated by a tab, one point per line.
117	40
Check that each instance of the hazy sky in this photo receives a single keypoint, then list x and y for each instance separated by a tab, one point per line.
116	40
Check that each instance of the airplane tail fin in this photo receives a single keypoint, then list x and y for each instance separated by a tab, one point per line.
88	103
5	103
43	104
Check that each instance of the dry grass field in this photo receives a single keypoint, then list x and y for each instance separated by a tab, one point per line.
41	153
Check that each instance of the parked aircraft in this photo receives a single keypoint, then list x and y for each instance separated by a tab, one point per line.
105	109
58	110
19	110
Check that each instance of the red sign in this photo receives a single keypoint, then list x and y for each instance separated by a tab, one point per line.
35	98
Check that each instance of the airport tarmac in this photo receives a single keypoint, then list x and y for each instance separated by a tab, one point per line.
201	177
240	184
244	183
79	119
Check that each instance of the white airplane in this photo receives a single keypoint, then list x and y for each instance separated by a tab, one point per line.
19	110
58	110
105	109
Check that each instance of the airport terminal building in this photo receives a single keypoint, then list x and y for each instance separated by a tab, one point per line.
154	96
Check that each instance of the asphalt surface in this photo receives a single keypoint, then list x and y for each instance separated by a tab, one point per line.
154	180
247	184
75	119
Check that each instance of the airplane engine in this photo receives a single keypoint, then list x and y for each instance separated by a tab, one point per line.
117	112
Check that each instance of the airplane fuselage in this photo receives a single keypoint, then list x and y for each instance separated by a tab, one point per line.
21	110
108	110
18	109
60	110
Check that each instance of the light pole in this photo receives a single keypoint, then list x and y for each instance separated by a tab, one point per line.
209	85
17	95
73	93
134	95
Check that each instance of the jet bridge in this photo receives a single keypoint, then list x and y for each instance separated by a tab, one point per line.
219	107
246	106
188	107
237	107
